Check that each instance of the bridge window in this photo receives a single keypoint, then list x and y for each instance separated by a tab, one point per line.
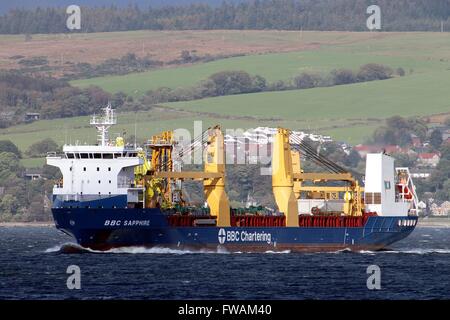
70	155
107	156
77	155
130	154
84	155
97	155
117	155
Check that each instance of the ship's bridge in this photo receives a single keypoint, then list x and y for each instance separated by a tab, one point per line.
96	175
98	152
95	172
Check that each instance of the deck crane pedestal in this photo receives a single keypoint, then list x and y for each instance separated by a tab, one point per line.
213	176
287	173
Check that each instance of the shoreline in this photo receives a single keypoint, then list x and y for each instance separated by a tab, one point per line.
27	224
433	224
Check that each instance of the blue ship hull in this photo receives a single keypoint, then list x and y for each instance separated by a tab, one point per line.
106	228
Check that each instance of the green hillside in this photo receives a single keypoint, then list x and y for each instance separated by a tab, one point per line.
415	95
349	113
414	52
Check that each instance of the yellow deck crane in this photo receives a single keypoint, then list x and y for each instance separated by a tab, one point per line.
288	178
158	173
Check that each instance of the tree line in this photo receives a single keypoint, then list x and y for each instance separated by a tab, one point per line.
128	63
52	98
225	83
56	98
345	15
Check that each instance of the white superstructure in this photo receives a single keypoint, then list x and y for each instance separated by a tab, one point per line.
381	191
97	172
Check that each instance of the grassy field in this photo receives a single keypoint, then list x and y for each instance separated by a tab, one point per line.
62	50
412	52
348	113
415	95
32	162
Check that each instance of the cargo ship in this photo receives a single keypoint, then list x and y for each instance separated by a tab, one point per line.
115	194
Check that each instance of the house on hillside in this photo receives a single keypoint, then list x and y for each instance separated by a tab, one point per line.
442	210
33	174
428	159
363	149
32	116
421	174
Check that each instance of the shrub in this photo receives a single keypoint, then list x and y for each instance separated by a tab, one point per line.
231	82
307	81
373	71
343	76
40	148
8	146
401	72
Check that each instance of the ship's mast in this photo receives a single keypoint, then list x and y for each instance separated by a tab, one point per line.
103	123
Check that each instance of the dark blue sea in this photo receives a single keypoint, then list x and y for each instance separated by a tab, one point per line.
33	266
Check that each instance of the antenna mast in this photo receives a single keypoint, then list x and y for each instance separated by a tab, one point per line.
103	123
